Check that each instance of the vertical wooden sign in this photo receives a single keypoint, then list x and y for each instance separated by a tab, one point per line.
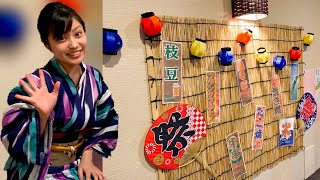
235	154
171	72
243	82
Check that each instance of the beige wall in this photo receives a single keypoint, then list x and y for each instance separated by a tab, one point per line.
17	60
126	77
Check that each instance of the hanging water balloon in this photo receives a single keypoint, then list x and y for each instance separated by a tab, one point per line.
198	48
112	42
12	26
308	39
279	62
244	37
295	53
225	56
151	24
262	55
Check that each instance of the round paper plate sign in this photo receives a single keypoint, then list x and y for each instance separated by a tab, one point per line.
172	133
307	110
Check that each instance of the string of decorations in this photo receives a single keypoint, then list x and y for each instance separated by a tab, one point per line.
198	51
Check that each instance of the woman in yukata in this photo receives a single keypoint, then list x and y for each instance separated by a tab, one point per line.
60	113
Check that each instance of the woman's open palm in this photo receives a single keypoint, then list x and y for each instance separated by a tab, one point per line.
40	97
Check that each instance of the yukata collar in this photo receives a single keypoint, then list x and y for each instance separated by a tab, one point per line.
62	72
74	88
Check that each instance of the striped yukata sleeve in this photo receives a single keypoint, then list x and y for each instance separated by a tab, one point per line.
103	136
20	133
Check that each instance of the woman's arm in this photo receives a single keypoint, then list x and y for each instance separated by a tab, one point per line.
25	120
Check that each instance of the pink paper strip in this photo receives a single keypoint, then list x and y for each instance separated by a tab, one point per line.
257	140
276	95
213	96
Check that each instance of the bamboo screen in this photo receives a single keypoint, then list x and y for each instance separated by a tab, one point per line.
277	39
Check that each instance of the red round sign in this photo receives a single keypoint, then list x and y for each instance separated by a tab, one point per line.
172	133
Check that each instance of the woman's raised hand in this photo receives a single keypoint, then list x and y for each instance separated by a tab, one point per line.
40	97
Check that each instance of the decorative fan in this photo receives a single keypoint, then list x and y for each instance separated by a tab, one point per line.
175	138
307	110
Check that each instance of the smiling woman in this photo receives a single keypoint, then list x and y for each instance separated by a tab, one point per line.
70	47
60	113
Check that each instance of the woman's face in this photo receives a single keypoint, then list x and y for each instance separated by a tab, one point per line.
70	48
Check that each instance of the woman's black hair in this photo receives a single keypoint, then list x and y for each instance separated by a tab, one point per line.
56	18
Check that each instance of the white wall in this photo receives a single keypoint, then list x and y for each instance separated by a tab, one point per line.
126	77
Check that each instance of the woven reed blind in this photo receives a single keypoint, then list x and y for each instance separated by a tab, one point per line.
277	39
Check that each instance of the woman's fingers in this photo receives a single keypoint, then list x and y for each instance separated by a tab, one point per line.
34	87
95	177
102	177
24	85
88	176
99	174
31	82
80	172
56	87
42	79
90	172
23	98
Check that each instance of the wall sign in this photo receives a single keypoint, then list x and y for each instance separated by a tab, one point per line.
171	72
294	82
257	140
235	155
276	95
213	96
243	82
286	132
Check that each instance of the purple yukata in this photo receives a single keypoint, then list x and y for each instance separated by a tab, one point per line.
87	110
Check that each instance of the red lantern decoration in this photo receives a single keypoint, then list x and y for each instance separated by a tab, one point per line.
75	5
151	24
295	53
244	37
